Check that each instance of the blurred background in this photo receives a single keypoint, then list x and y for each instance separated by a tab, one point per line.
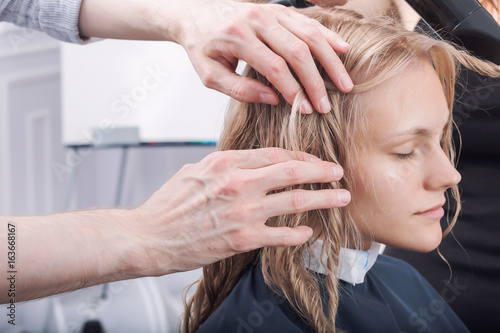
42	105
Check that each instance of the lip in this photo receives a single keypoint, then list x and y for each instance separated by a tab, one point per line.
434	213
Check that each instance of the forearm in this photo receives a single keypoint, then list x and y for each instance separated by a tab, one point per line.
68	251
136	19
206	212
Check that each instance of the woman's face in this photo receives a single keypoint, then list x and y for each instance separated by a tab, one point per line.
402	172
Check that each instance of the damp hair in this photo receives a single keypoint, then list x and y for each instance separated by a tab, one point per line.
380	49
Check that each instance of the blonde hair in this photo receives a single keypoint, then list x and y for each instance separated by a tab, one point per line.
380	50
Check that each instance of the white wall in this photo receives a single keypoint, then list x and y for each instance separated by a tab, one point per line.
35	171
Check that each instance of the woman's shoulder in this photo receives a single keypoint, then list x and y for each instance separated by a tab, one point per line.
396	297
253	307
399	276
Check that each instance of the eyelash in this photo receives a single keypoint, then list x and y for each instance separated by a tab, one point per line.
406	156
411	154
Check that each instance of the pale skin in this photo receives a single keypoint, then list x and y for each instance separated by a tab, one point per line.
208	211
398	200
218	33
215	208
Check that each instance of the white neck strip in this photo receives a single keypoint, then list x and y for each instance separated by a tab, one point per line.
353	264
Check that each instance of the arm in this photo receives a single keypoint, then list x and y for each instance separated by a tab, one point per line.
215	34
208	211
218	33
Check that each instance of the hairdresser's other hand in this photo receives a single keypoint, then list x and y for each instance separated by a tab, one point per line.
267	37
218	33
218	207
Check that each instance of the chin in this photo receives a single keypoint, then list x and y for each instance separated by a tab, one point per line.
429	247
428	243
420	242
425	238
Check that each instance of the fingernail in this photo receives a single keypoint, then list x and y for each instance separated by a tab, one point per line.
306	107
314	159
309	233
324	104
268	98
338	171
342	43
344	197
346	81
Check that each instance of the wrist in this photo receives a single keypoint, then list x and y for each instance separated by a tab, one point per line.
170	19
122	248
140	255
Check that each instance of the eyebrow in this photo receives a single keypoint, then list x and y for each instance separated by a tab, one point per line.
414	131
419	131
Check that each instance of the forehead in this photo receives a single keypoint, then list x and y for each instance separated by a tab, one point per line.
413	99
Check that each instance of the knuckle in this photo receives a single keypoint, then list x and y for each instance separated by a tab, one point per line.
186	167
312	32
209	78
239	241
239	92
298	200
285	239
217	162
300	50
255	13
328	172
292	171
232	186
318	84
277	66
233	29
275	155
228	187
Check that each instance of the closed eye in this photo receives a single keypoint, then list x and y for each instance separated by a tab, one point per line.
406	156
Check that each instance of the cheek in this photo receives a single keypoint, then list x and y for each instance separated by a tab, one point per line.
397	180
382	190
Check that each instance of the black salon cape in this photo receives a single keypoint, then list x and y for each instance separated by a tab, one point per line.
393	298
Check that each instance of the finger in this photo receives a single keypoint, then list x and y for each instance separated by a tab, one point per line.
323	43
263	157
336	42
274	67
298	201
291	173
283	236
244	89
297	54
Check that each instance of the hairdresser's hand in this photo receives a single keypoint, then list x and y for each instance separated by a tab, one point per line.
267	37
218	207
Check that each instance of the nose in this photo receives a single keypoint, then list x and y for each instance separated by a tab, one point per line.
441	174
